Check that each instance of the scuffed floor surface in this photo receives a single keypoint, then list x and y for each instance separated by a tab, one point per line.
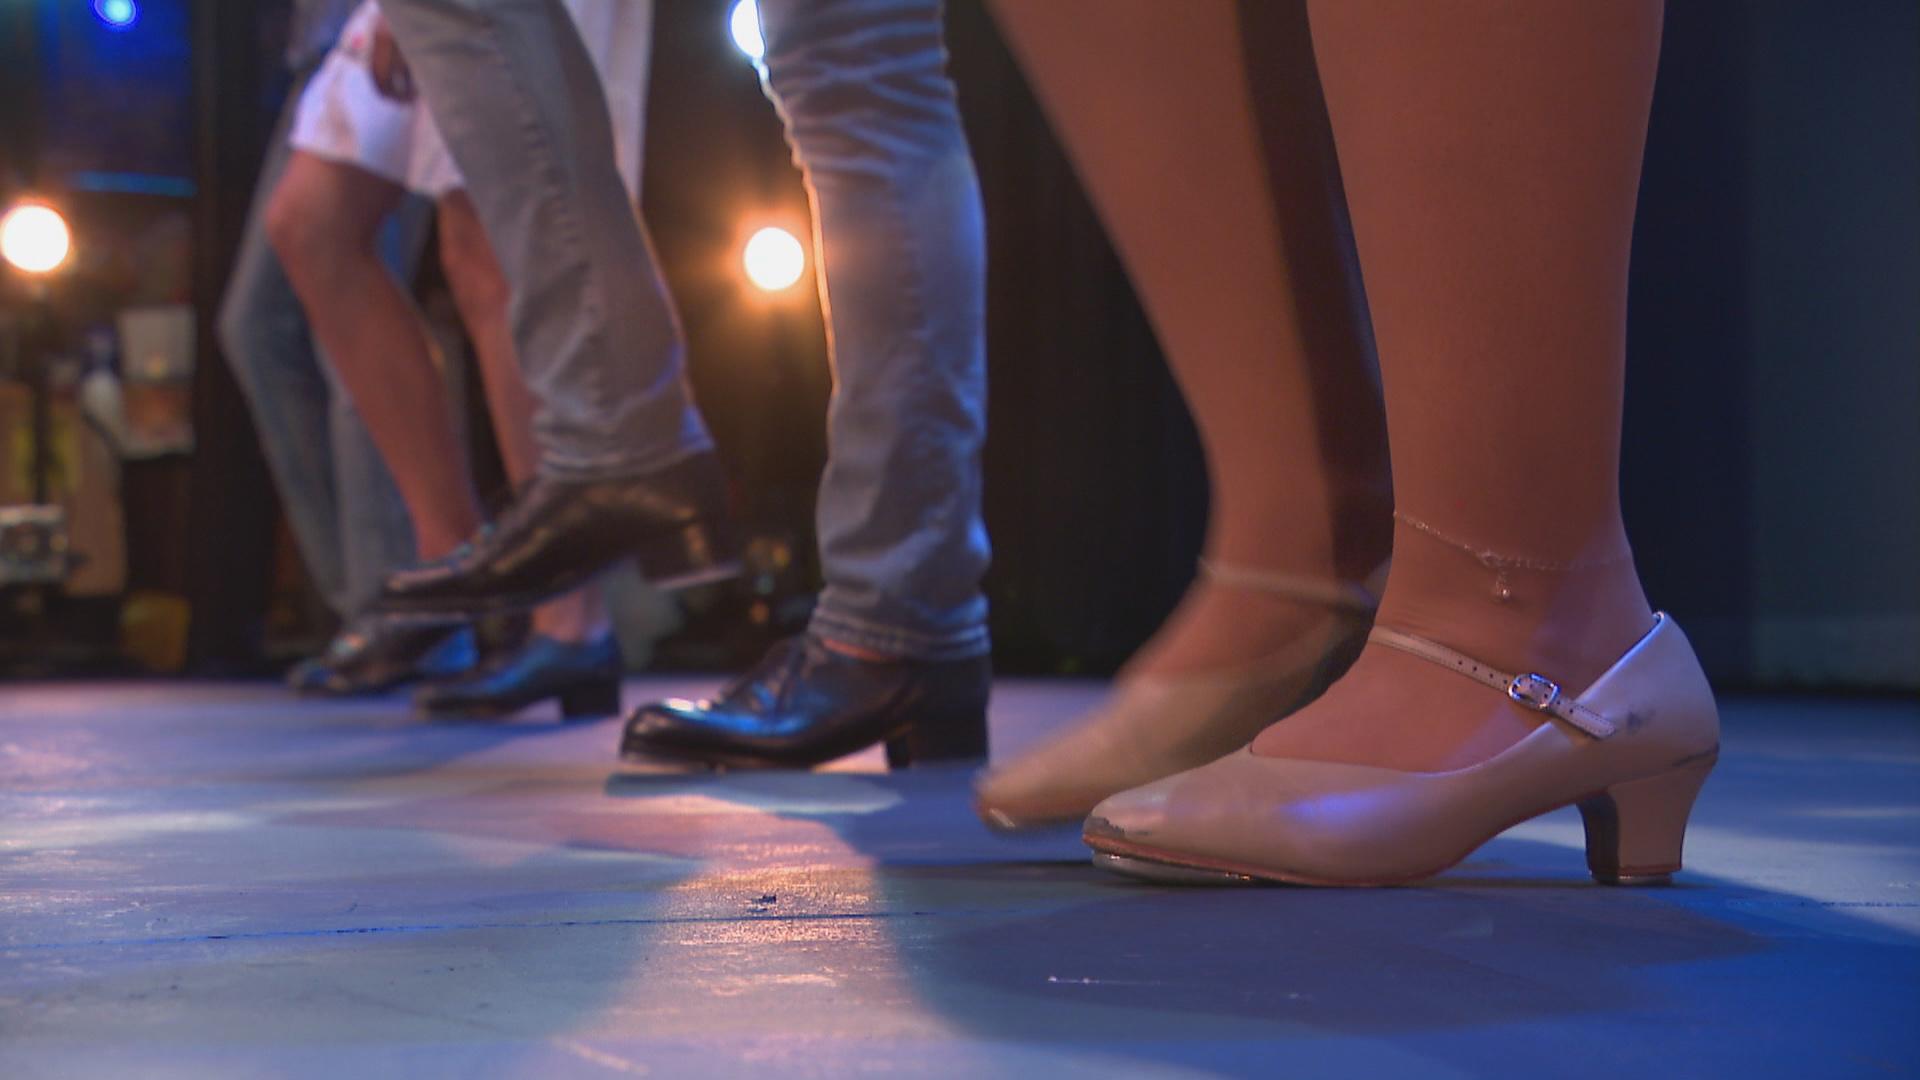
216	880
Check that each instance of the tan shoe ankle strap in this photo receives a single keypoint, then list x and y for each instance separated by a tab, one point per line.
1345	595
1534	691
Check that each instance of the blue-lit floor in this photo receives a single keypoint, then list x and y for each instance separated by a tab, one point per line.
215	880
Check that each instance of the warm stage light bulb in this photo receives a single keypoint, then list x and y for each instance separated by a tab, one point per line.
34	238
744	24
774	259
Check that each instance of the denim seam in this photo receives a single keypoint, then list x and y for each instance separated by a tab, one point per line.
593	302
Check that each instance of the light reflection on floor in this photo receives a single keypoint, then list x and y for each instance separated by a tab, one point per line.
218	880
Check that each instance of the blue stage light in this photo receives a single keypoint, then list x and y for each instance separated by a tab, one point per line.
118	14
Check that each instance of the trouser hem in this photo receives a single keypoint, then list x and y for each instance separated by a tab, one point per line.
621	466
905	644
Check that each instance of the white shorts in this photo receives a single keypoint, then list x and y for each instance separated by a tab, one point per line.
342	116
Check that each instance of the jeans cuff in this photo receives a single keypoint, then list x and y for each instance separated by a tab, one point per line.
905	644
617	466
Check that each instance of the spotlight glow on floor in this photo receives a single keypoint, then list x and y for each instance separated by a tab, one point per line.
744	24
774	260
34	238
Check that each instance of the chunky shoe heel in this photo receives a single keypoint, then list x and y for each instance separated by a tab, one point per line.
1635	830
951	735
591	700
697	553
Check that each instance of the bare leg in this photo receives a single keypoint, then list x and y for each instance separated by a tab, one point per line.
1245	276
322	221
1491	153
481	293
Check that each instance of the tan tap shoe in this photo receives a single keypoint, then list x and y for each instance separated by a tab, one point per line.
1631	752
1157	725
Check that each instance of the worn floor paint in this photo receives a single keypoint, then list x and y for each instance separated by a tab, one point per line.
216	880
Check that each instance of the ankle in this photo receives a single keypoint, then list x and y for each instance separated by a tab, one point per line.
1231	619
562	621
1342	536
444	526
1224	624
434	543
1568	619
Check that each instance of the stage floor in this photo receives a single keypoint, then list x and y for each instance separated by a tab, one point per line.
204	880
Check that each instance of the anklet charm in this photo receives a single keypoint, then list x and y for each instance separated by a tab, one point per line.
1500	565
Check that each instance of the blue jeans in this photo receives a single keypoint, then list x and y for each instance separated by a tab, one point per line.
341	502
872	118
515	95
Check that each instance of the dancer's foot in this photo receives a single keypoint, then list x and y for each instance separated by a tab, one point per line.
1571	617
1234	617
1158	722
1631	751
559	533
806	703
584	677
375	654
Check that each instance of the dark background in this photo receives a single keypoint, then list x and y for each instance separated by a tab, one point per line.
1773	418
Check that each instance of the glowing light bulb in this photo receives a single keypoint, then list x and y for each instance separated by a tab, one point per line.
118	14
34	238
744	24
774	259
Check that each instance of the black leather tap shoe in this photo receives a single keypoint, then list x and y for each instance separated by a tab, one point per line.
584	676
374	655
560	533
805	704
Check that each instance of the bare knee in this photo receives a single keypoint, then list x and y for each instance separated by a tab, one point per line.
309	238
322	214
296	228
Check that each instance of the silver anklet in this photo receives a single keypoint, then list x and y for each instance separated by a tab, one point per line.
1500	564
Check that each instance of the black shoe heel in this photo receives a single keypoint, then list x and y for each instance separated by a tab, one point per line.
948	736
591	700
694	554
806	704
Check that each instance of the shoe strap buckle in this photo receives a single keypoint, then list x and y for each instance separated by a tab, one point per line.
1536	692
